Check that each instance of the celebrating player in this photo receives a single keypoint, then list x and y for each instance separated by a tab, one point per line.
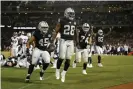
66	26
41	38
83	36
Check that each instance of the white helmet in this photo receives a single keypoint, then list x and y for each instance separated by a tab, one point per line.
29	35
43	26
69	13
86	27
100	32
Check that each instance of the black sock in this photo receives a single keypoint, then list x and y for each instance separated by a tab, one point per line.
30	70
84	66
59	62
75	61
45	66
99	59
67	64
89	60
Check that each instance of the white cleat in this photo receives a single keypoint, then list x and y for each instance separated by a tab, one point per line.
53	67
100	65
89	65
57	74
62	77
41	78
74	65
84	72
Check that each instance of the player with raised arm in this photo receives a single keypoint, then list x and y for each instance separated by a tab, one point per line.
41	38
66	26
99	39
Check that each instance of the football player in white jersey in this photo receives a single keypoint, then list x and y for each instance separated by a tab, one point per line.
56	52
14	45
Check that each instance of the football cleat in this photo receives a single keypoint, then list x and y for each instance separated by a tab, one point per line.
84	72
89	65
74	65
100	65
62	77
57	74
27	79
41	78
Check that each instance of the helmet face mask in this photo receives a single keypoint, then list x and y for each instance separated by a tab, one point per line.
100	32
69	13
43	27
86	27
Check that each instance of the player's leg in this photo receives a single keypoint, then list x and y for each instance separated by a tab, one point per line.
77	57
62	55
89	65
46	61
69	53
35	56
85	59
100	50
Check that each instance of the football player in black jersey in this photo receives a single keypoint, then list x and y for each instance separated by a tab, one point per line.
99	39
66	26
41	38
83	36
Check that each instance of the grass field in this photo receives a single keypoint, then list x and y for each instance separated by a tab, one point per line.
117	70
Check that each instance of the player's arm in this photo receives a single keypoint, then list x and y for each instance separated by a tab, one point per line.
57	28
90	40
31	40
92	32
110	29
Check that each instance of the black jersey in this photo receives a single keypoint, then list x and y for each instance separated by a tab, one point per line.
99	40
42	41
83	39
67	28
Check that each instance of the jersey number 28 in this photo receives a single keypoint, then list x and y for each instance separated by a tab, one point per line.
69	29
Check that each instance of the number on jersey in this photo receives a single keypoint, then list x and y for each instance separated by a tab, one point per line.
100	39
69	29
44	42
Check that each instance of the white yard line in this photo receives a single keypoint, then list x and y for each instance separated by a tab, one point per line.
33	84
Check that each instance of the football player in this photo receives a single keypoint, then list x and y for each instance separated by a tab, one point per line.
99	39
66	26
82	41
41	38
14	45
56	52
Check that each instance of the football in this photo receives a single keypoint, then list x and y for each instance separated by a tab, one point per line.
51	47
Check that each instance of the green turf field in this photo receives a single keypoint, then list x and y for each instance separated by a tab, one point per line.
117	70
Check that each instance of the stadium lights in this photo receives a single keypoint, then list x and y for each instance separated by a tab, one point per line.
58	13
81	12
25	13
43	8
109	11
51	12
9	26
27	8
18	13
24	27
2	25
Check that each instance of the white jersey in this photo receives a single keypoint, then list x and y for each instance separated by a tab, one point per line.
14	42
24	39
125	47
